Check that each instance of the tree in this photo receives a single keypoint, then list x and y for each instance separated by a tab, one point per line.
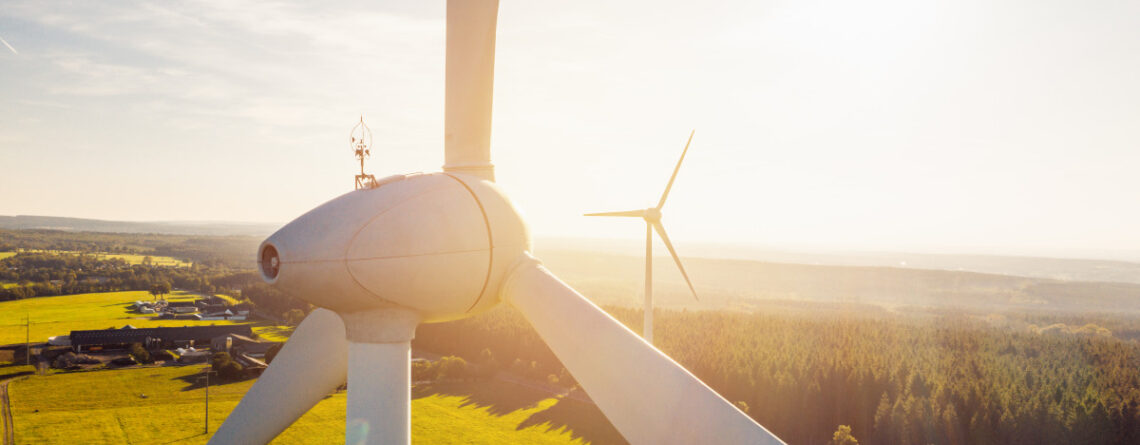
883	419
488	366
843	436
139	353
163	288
452	367
226	367
294	316
272	352
159	289
423	370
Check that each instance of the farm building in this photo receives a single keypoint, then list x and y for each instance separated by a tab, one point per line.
240	344
153	337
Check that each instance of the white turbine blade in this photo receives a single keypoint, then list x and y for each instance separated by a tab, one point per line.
313	363
646	395
637	213
470	84
676	169
660	228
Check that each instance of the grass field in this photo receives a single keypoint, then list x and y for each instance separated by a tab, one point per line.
129	258
164	405
228	298
60	315
138	259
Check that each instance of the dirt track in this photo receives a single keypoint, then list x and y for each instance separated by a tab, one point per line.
6	414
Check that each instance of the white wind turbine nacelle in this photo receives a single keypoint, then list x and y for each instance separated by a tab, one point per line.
438	244
436	247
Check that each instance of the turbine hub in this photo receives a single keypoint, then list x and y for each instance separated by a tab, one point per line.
653	214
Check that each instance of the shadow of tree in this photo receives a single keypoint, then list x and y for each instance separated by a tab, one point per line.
582	420
195	381
499	398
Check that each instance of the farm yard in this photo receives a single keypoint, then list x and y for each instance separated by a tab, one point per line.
51	316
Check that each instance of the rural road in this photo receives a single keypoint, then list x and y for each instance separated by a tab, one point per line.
6	414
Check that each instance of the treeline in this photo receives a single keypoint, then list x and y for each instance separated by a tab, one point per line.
229	251
270	301
933	379
37	274
503	332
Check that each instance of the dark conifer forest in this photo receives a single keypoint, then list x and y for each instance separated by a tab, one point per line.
946	377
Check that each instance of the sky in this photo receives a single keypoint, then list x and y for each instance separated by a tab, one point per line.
935	126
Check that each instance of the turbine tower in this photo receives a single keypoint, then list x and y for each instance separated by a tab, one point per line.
652	217
425	248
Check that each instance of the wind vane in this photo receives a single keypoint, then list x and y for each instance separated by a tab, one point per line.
361	143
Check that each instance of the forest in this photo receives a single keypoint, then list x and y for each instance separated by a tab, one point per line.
945	377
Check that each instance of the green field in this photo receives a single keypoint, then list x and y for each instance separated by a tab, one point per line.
228	298
138	259
128	257
163	405
60	315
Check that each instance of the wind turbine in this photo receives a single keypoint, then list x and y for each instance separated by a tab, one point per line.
425	248
652	217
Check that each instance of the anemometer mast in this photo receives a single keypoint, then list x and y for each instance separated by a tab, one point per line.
361	142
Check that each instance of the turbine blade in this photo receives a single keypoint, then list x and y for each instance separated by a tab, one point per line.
470	86
313	363
637	213
647	396
660	228
676	169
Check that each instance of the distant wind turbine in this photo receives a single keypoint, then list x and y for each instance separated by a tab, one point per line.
652	217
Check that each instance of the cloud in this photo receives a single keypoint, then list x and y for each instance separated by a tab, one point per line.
272	63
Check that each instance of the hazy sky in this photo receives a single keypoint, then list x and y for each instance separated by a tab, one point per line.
914	125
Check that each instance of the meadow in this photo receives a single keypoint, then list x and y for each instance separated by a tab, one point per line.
51	316
130	258
166	405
